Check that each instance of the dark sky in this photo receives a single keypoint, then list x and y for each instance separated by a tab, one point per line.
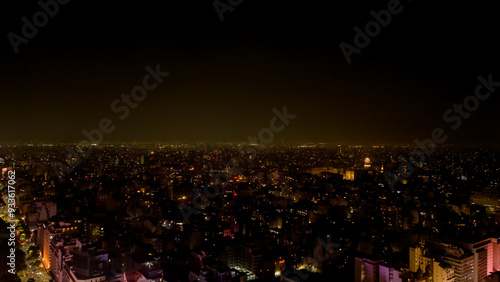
226	77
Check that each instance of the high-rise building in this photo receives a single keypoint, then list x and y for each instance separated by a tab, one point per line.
391	215
40	212
486	257
442	272
366	270
461	262
389	274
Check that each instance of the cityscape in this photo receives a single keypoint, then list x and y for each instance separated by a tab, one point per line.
235	141
160	212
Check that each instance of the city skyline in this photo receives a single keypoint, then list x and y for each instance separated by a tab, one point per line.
278	213
235	141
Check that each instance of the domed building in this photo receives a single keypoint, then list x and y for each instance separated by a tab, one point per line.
368	163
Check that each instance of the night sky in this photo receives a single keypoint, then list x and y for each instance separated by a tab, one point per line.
226	77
